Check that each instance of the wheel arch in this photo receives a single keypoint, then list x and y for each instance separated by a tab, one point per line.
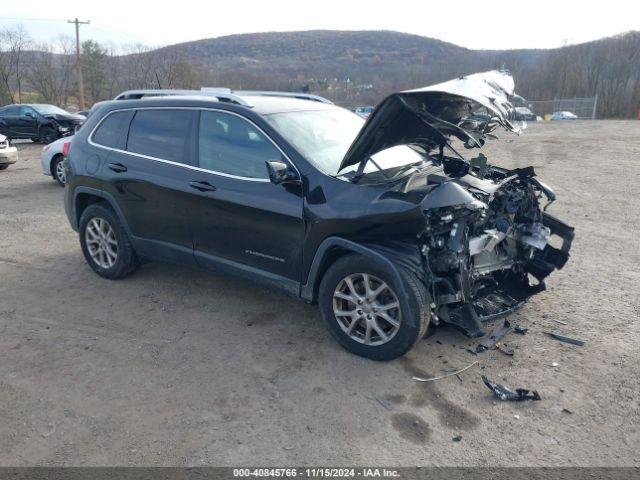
330	250
83	197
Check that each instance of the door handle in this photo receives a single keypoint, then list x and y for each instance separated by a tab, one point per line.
117	167
202	186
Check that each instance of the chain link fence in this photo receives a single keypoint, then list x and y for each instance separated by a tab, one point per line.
584	108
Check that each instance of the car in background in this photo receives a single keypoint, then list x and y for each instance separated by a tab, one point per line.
564	115
524	114
39	122
8	154
364	112
52	159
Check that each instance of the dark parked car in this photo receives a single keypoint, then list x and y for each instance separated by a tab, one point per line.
39	122
381	223
524	114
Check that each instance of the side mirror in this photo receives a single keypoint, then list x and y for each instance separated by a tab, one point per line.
279	172
28	114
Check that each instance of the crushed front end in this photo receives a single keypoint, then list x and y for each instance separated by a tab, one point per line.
487	244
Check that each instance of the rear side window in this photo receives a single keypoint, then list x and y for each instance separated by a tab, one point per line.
110	132
11	111
228	144
160	133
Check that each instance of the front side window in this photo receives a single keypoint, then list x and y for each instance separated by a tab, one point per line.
112	129
27	112
160	133
231	145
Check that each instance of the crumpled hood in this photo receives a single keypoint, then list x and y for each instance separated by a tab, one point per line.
428	116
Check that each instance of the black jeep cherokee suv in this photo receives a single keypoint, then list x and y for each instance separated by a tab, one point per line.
382	223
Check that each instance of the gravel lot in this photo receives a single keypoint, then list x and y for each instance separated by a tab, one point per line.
173	366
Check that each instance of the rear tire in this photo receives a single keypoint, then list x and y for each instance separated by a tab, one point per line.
386	341
105	243
57	170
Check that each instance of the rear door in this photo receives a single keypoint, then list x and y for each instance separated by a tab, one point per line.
240	218
9	118
148	176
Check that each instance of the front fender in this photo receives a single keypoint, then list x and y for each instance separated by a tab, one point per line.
391	254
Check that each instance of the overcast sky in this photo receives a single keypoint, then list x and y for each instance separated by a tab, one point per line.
478	24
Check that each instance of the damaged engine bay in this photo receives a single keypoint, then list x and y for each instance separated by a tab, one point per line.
486	246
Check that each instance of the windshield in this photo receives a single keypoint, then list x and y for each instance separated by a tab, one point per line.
43	109
324	136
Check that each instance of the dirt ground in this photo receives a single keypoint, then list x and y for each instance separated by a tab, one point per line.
173	366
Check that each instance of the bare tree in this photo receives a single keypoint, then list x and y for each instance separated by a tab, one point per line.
13	43
50	70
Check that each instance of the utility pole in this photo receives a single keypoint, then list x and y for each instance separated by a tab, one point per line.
78	65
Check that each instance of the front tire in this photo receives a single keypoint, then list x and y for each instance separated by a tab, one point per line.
4	166
48	135
105	243
371	312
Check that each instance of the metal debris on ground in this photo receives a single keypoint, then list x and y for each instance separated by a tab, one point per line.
495	336
502	347
418	379
565	339
457	438
559	321
508	395
520	329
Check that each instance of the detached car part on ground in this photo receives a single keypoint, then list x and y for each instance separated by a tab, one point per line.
8	154
38	122
384	224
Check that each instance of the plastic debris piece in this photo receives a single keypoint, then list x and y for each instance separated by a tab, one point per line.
507	395
565	339
494	338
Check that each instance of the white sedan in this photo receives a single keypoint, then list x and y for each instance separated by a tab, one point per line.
8	154
52	159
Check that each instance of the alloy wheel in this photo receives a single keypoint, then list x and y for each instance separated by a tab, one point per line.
101	242
367	309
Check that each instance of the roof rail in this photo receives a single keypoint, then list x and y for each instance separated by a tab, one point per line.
263	93
219	94
299	95
226	95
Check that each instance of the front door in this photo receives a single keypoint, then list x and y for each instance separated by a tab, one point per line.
242	220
